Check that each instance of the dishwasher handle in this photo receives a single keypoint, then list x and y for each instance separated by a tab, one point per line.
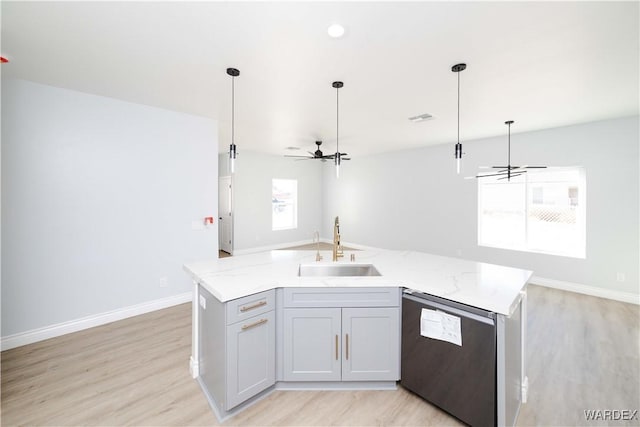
473	313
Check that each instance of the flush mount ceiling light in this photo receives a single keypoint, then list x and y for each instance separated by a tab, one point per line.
335	31
458	153
421	117
509	171
233	72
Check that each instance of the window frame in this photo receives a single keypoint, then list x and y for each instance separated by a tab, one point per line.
293	203
581	209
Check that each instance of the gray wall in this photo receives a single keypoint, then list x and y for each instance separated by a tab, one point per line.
252	197
414	200
98	199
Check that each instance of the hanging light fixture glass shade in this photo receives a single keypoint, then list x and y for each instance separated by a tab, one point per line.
509	171
458	152
233	72
338	155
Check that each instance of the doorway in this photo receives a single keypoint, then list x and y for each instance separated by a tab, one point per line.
225	216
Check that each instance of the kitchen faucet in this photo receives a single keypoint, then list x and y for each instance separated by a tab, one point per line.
337	247
316	240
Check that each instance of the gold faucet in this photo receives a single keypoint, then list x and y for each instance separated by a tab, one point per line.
316	239
337	247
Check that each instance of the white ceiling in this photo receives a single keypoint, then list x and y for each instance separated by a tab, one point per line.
542	64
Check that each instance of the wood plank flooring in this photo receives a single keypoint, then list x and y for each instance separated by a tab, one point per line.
583	353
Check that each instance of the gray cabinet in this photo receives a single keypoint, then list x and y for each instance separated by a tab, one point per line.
371	344
251	357
237	347
312	344
327	339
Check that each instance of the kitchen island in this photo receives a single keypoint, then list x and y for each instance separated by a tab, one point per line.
259	326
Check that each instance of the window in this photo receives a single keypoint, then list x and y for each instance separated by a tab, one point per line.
284	202
540	211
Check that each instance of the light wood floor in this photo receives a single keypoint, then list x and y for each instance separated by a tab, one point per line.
583	353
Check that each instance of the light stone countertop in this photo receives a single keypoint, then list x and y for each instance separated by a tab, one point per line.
487	286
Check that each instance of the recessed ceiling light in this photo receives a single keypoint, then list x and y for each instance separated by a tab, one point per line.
335	30
421	117
292	148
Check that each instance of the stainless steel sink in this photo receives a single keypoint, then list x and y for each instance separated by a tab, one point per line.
337	270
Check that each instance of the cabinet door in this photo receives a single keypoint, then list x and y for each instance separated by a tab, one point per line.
371	339
312	344
251	357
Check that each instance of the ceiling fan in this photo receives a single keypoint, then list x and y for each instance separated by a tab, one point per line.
509	171
319	155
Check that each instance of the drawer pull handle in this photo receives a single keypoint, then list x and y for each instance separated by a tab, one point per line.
251	307
336	347
254	324
347	347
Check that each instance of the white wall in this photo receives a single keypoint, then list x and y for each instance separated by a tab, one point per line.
252	198
98	196
414	200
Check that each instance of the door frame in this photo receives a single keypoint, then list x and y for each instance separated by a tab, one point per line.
221	179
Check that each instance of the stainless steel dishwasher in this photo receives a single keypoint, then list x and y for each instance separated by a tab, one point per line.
460	379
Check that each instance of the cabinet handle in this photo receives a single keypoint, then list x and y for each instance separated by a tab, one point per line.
336	347
251	307
347	347
254	324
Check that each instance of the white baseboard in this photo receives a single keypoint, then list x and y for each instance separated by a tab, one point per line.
586	289
41	334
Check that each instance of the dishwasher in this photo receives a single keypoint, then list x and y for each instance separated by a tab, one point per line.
458	377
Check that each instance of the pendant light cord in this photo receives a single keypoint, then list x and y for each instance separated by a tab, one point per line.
233	109
337	121
509	149
458	107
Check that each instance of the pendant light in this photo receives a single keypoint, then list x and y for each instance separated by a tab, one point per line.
458	153
233	72
337	156
509	171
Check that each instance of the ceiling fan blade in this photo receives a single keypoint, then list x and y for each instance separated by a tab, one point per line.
513	175
299	157
345	158
536	167
500	173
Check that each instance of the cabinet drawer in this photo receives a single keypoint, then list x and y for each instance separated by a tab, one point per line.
249	306
342	297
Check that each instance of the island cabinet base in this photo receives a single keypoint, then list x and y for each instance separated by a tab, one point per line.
236	348
338	334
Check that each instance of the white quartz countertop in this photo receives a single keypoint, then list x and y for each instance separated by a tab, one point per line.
487	286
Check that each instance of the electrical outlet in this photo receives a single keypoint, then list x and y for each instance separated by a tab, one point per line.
203	302
164	282
621	277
